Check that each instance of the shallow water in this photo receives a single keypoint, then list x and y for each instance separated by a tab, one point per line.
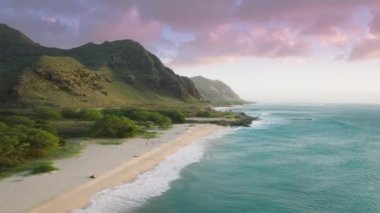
298	158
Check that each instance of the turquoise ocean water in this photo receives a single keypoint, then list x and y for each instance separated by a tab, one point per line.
298	158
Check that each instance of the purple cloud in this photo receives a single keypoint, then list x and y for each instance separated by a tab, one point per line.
369	47
218	29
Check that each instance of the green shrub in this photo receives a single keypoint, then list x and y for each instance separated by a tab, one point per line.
83	114
209	113
117	112
142	116
90	115
19	143
176	116
48	114
3	126
12	150
203	114
43	168
70	113
46	126
115	127
41	143
155	117
15	120
18	120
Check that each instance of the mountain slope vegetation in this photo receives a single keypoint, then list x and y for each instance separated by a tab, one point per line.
216	91
115	73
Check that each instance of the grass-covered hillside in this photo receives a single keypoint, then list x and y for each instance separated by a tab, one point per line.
216	91
118	73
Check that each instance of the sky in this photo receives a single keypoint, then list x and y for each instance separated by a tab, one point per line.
318	51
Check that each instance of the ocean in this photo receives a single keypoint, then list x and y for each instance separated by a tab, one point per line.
297	158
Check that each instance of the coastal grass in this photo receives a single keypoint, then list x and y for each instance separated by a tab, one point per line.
29	168
69	128
69	149
44	165
147	134
110	141
118	141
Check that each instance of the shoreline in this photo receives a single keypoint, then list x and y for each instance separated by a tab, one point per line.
80	196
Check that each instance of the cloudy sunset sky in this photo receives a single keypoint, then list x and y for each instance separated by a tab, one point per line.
266	50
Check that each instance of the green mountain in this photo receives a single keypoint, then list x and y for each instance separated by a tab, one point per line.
115	73
216	91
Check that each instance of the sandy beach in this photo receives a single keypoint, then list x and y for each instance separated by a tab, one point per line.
70	187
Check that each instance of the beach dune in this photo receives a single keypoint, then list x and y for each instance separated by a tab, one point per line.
71	188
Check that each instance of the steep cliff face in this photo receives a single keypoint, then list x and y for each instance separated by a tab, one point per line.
216	91
13	38
136	66
18	50
112	73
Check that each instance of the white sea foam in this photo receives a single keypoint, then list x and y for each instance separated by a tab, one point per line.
267	120
149	184
237	128
227	108
265	114
256	124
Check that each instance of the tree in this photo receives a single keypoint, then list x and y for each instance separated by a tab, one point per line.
46	126
41	143
176	116
19	120
115	127
19	143
155	117
48	114
12	150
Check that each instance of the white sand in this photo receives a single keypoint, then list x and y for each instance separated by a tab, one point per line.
70	187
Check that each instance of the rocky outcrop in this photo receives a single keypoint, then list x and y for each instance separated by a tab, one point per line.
216	91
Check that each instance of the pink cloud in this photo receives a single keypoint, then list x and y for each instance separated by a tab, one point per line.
301	12
326	24
369	46
224	42
127	25
188	15
339	37
367	49
375	25
222	28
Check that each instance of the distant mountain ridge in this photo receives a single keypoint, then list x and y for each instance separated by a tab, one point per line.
109	74
216	91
